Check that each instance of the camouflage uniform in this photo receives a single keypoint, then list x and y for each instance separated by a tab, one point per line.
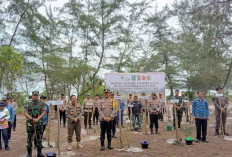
179	113
221	102
74	111
34	109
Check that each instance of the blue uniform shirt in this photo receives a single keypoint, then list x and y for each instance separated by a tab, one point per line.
200	108
45	118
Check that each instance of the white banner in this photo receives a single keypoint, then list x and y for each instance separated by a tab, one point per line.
56	102
135	82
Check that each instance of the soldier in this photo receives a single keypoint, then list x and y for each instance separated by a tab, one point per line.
88	110
185	105
107	113
154	109
179	109
221	104
136	111
129	101
144	103
114	121
162	105
74	115
34	111
96	113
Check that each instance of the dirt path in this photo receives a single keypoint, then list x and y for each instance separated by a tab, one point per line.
158	143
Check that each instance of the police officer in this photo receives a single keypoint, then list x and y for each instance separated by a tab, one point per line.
144	103
179	109
88	110
221	104
74	115
34	111
162	105
107	113
154	109
96	114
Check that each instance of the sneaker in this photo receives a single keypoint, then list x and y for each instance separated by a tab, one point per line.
197	140
79	145
7	148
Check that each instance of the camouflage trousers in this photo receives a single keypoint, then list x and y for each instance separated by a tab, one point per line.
179	114
38	136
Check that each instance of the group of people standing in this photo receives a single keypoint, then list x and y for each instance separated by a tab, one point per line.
105	112
8	108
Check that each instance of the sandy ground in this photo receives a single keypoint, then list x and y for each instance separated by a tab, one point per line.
158	142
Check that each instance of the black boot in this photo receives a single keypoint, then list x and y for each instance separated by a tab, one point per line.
109	145
102	146
113	135
156	130
152	131
216	132
39	152
29	152
225	133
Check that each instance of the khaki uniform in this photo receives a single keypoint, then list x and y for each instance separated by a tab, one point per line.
88	107
221	102
106	109
154	105
74	111
144	104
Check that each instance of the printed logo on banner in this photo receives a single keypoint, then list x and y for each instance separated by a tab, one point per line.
148	77
143	77
133	77
138	78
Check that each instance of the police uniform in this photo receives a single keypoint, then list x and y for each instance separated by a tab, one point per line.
34	109
114	121
154	109
96	113
106	110
144	104
185	106
220	102
74	111
88	109
179	113
162	108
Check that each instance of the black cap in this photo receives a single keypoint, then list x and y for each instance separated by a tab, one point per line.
43	97
177	90
2	103
218	88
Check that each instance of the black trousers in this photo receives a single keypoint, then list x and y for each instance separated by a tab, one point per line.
95	116
105	128
201	126
129	112
154	121
63	115
86	118
114	122
14	124
9	130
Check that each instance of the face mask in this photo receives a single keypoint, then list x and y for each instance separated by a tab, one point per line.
218	95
